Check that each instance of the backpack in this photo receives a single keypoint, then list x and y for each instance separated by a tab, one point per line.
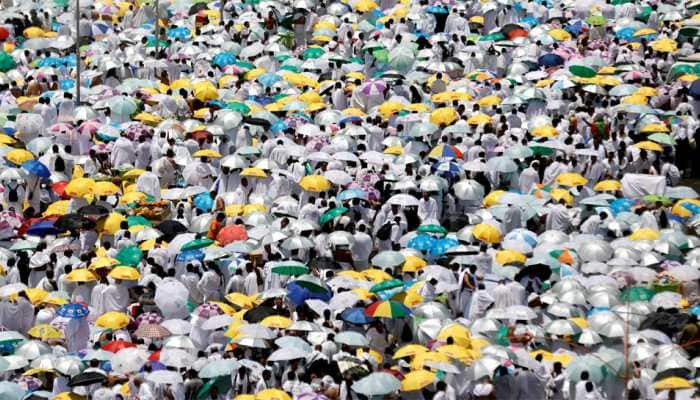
384	232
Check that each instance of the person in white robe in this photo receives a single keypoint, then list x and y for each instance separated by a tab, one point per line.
558	218
115	297
513	219
529	178
77	334
210	285
149	183
250	283
481	300
427	208
122	153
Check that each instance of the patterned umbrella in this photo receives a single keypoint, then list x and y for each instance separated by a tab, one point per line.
73	311
387	309
372	88
153	331
149	318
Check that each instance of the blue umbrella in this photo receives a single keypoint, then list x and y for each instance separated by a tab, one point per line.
50	62
36	168
299	294
447	168
68	61
279	126
66	84
44	228
619	205
223	59
575	27
350	120
73	311
441	246
626	33
530	20
522	235
356	315
694	89
179	33
422	242
268	79
352	194
203	201
190	255
550	60
695	310
436	9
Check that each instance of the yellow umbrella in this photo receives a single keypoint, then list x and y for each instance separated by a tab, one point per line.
477	19
315	183
647	91
80	187
562	194
394	150
36	295
571	179
5	139
607	70
325	24
479	119
251	208
205	91
276	321
544	131
673	383
133	173
253	74
125	273
69	396
57	301
112	320
459	353
180	84
18	156
372	353
254	173
37	371
233	329
245	397
410	350
665	45
315	107
106	189
310	97
364	5
446	97
543	83
645	234
348	273
389	108
148	118
132	197
103	262
560	35
486	233
506	257
376	275
444	116
493	198
240	300
417	380
353	112
112	223
413	264
57	208
606	185
688	77
489	101
272	394
635	99
33	32
608	81
207	153
649	145
356	75
652	128
420	359
458	332
644	32
44	332
81	275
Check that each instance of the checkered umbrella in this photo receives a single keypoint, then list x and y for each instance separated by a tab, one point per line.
153	331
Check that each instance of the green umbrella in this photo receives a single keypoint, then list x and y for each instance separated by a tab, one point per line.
6	62
681	69
689	31
386	285
653	198
290	68
244	64
621	2
662	138
238	106
582	71
542	150
291	268
381	55
332	214
492	37
313	53
596	20
432	228
129	255
136	220
197	244
311	283
637	293
152	42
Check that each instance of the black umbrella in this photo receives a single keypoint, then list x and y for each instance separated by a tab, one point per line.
93	211
87	378
257	121
197	8
323	367
258	314
539	270
171	229
666	322
669	373
73	222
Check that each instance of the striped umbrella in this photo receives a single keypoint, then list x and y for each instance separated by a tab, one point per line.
387	309
372	88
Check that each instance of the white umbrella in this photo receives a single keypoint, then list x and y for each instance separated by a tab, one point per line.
171	298
32	349
176	358
405	200
257	331
351	338
180	342
164	377
589	338
287	354
216	322
469	190
177	326
562	327
129	360
219	368
377	384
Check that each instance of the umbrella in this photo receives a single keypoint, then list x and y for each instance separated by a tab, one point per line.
87	378
387	309
377	384
219	368
353	339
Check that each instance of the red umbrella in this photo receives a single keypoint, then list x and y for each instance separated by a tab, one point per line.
516	33
201	134
116	345
231	233
60	188
22	230
4	33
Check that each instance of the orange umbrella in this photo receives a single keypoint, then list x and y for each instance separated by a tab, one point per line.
231	233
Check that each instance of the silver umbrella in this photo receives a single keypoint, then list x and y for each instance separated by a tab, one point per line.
577	297
589	338
562	327
564	310
595	250
429	329
641	352
602	299
469	190
431	310
484	327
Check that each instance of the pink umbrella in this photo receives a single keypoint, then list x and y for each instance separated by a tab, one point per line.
208	310
149	318
89	127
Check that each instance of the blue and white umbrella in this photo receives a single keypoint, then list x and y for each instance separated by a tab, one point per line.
73	311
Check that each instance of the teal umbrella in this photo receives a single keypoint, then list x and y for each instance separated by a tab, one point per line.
637	293
11	391
332	214
432	228
589	363
238	106
311	283
377	384
136	220
129	255
197	244
313	53
492	37
6	62
386	285
662	138
582	71
382	55
291	268
219	368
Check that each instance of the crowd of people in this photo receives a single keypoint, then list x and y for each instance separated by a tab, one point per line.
317	200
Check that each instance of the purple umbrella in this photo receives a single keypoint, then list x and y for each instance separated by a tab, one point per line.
149	318
372	88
